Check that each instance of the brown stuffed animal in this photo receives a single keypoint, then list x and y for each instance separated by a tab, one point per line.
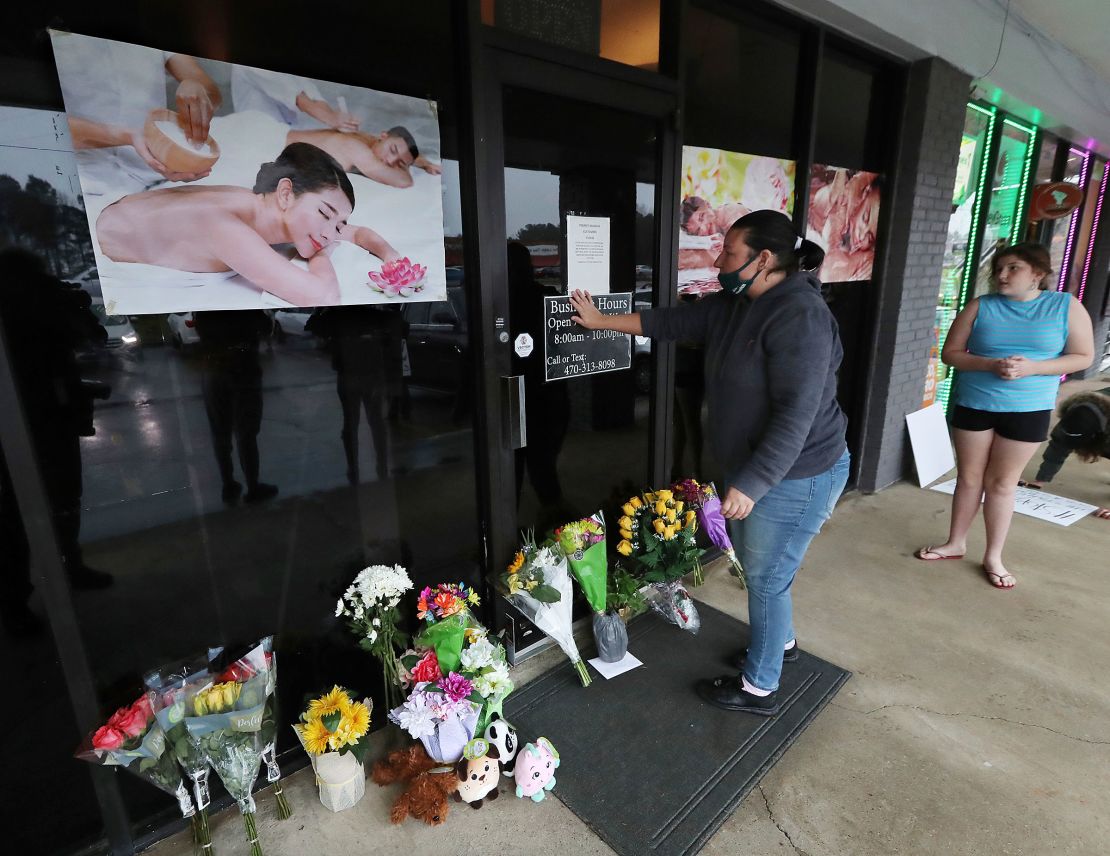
402	765
425	799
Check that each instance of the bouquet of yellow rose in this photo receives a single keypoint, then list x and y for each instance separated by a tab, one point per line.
657	534
334	730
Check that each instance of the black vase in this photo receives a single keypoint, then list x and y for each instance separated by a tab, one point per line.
611	637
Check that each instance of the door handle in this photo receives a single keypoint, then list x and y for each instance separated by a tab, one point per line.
513	414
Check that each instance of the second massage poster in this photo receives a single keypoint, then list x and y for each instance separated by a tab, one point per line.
209	185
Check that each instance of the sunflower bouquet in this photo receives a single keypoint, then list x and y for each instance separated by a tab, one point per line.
445	611
371	604
334	730
703	498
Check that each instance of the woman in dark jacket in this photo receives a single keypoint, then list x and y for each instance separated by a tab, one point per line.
771	356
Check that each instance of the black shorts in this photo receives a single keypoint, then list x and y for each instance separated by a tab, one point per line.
1030	427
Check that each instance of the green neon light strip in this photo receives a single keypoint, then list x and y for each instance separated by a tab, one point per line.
971	262
1023	194
1014	123
986	111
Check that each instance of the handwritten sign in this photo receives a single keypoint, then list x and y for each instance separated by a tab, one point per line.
573	351
1036	503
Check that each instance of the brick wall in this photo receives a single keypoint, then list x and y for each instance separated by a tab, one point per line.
920	205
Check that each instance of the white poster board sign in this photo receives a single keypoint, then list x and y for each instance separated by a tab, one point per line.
588	254
1036	503
932	447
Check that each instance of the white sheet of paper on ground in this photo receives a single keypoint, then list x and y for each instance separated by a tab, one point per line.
932	447
610	670
1036	503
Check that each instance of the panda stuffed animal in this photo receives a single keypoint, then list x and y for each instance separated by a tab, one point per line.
501	734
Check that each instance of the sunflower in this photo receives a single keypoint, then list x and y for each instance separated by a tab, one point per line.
517	563
315	736
356	721
335	701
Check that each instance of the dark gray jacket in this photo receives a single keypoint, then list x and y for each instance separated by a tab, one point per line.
770	377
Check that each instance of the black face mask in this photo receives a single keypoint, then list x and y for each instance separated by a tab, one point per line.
732	281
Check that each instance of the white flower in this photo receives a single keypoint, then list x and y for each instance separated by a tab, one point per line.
493	681
359	612
415	717
479	655
373	636
377	622
339	608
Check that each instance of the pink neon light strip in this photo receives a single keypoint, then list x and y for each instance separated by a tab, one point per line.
1094	229
1073	226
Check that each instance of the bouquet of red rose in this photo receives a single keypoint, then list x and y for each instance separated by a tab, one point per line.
704	500
133	739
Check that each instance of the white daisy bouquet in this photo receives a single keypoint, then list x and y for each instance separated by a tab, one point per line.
370	605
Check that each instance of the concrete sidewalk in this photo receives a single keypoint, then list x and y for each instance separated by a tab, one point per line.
977	720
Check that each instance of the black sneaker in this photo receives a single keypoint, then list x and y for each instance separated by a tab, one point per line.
260	493
790	655
728	693
230	492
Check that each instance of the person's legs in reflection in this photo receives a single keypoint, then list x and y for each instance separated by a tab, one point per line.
60	454
346	385
373	401
15	585
218	404
248	422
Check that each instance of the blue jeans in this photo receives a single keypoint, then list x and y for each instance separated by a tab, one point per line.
771	543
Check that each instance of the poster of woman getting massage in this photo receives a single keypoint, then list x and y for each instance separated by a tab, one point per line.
209	185
718	188
844	220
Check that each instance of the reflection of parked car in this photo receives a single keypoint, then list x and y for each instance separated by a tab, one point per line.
643	272
437	343
183	331
290	322
122	337
641	356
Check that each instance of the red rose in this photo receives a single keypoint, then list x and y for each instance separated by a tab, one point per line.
130	721
142	703
238	671
427	670
107	737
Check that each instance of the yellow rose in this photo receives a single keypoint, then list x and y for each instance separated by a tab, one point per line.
668	533
625	522
635	502
670	515
665	495
691	516
649	496
660	508
531	584
514	584
624	548
678	506
629	509
626	534
659	525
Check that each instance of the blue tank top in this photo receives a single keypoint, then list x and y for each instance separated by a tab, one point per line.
1035	329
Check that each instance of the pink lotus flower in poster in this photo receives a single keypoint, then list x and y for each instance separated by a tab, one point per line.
399	278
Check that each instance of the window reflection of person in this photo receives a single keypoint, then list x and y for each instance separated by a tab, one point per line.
303	198
104	126
232	386
366	355
387	157
44	321
547	413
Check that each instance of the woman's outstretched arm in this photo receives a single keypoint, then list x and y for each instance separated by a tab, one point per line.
590	317
243	250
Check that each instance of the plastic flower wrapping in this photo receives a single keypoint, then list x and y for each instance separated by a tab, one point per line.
583	543
445	610
706	502
441	716
547	605
133	739
399	278
370	604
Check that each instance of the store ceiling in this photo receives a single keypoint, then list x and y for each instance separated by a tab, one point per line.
1082	26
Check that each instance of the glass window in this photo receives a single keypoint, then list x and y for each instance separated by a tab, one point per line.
1077	282
856	98
741	77
625	31
1062	236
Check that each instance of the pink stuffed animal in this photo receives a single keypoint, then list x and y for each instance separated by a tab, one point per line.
535	769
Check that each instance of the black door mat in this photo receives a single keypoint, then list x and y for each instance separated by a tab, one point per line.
645	763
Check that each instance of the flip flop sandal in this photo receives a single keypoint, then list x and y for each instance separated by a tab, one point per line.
936	557
996	579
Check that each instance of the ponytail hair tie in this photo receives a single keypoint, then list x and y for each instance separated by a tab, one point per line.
798	244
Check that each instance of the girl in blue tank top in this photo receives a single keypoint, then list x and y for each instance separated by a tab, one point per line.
1010	348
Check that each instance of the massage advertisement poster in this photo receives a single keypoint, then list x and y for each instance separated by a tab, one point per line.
844	220
209	185
718	188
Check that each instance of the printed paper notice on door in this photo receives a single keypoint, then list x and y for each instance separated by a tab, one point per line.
588	254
